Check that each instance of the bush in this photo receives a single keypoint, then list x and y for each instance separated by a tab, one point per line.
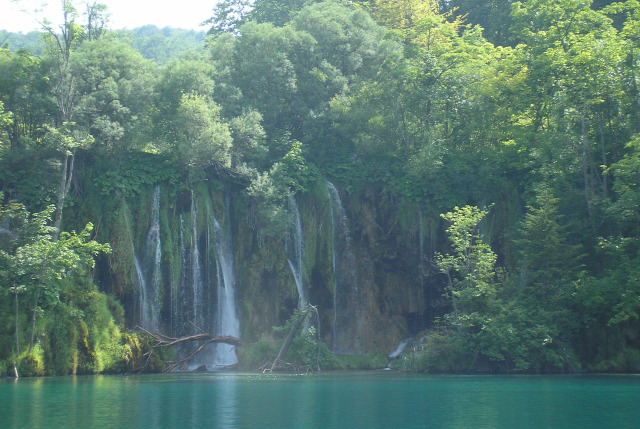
31	364
441	352
374	360
256	355
627	361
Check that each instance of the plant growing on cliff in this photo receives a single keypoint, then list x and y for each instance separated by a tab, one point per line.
33	264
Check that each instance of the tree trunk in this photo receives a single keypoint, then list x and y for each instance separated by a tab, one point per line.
164	341
287	342
17	330
66	174
33	320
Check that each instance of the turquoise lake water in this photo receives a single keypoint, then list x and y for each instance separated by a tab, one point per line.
323	400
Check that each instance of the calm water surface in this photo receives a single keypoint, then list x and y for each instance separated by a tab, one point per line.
325	400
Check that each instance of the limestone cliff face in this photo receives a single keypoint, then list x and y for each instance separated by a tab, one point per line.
362	260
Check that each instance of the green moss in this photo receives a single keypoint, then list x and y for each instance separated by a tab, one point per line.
31	364
134	356
254	356
141	206
122	256
61	349
374	360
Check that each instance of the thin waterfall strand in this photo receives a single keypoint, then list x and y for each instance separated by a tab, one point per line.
293	248
227	322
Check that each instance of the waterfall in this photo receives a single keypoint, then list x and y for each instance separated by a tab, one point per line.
197	289
347	323
179	297
153	257
148	270
398	351
227	322
187	302
142	291
293	249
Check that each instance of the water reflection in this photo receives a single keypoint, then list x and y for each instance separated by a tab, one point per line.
226	402
350	400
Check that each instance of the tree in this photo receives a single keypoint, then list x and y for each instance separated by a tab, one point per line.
202	139
548	262
277	12
35	263
188	76
97	17
115	87
248	139
5	119
471	268
400	14
229	15
265	73
66	140
492	15
574	125
25	92
60	46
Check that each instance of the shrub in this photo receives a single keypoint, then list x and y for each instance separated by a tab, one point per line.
31	364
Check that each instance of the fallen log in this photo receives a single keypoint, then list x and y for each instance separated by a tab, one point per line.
161	341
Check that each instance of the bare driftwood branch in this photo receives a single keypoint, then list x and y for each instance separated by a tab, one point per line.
161	340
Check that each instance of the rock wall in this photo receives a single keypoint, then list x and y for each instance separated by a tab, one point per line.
364	263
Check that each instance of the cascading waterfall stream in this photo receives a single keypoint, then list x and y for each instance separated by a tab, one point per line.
179	295
148	270
141	288
227	322
346	308
153	258
293	249
197	289
190	302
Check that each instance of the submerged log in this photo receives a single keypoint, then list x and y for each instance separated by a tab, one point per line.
161	340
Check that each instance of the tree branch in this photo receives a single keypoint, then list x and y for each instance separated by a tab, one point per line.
166	341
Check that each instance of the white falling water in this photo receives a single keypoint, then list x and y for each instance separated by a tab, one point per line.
346	307
227	322
179	293
196	274
148	270
398	351
153	258
334	199
142	291
293	248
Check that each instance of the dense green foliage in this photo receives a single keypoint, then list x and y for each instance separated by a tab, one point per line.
524	137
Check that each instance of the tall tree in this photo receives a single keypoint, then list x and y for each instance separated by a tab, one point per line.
202	139
61	43
470	268
97	17
229	15
115	94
